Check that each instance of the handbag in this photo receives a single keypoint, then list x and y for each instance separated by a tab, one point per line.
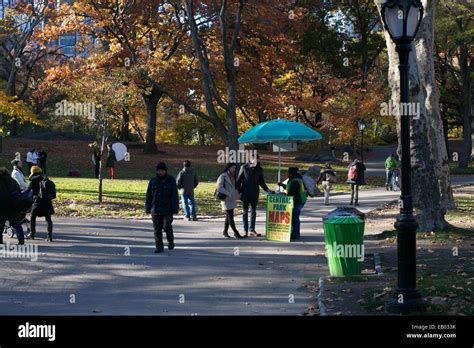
219	195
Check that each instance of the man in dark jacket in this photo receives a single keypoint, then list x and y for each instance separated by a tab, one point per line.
162	203
7	186
187	181
249	181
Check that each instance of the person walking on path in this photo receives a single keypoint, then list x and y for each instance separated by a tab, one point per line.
226	186
162	203
44	192
187	180
328	177
18	176
355	177
31	159
249	181
391	164
7	213
295	188
42	157
111	159
96	157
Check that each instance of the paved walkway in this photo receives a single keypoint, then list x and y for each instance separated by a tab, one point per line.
205	274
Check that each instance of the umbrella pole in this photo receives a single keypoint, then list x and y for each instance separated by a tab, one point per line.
279	167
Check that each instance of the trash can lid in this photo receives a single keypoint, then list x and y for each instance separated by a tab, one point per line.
344	211
339	220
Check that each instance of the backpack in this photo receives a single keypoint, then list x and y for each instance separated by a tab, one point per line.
310	185
47	190
353	174
21	201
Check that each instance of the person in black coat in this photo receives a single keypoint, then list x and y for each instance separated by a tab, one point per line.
42	156
249	181
162	203
41	207
7	213
355	178
111	159
97	156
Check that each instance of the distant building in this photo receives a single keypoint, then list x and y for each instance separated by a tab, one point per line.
67	42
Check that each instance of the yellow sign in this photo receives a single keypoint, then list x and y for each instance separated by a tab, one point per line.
279	213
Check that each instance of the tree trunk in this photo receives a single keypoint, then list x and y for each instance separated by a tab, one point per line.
465	155
125	126
151	102
429	159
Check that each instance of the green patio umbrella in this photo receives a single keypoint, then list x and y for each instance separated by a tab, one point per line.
279	131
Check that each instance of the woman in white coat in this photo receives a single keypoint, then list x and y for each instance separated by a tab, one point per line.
226	185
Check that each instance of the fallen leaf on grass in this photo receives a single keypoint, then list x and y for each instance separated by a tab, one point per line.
437	300
347	291
379	308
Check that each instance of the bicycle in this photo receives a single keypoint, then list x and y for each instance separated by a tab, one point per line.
394	181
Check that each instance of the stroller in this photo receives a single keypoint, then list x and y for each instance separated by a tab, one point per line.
24	222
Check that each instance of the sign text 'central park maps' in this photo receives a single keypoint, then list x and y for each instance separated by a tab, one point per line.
279	211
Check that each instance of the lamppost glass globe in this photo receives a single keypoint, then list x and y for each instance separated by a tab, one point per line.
402	19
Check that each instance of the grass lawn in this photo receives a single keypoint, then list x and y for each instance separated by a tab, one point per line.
444	264
126	198
121	198
455	170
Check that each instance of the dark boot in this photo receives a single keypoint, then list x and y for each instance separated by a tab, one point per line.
226	234
33	230
159	250
170	245
49	238
21	242
237	235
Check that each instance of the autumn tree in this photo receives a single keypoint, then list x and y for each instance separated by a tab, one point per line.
142	37
455	52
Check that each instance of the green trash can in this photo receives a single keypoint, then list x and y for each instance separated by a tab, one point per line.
344	238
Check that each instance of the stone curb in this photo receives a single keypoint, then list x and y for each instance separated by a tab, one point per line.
322	280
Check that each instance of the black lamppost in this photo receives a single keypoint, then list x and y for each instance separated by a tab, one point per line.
361	126
402	19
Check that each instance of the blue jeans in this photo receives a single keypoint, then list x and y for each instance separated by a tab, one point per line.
188	205
388	177
253	215
15	224
295	221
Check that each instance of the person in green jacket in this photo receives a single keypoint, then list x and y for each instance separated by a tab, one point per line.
295	188
391	164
